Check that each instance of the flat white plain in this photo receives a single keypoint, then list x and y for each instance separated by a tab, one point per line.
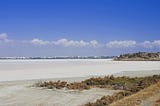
19	93
42	69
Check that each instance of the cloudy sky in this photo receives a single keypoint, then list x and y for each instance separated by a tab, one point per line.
78	27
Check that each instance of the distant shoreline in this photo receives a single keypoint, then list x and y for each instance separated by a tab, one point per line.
58	57
139	56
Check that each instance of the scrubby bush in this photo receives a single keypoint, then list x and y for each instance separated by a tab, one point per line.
116	83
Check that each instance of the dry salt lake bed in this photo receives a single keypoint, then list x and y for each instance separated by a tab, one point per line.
17	76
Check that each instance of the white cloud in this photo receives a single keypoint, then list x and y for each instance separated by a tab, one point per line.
94	43
81	43
74	43
80	47
156	43
121	44
39	42
3	36
149	44
66	43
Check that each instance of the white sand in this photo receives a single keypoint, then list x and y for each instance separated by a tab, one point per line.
40	69
18	93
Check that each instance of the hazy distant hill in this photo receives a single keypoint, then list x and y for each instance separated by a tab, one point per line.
140	56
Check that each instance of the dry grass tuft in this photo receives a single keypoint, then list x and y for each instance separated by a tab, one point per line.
138	98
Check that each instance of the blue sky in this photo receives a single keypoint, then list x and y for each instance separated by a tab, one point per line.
78	27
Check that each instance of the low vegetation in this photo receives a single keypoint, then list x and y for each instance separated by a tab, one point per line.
130	86
142	97
62	84
117	83
126	85
106	100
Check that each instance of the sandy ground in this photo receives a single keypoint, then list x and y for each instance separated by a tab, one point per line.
20	93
